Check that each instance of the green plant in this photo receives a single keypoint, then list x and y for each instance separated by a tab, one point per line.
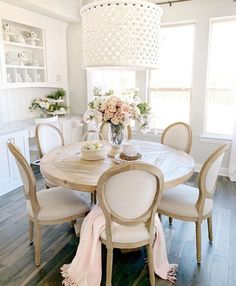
144	108
58	94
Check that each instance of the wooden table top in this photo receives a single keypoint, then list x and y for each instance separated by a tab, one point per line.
65	167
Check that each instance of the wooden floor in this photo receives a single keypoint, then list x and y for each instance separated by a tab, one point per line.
59	245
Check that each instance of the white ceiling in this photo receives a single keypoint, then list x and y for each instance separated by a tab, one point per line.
66	10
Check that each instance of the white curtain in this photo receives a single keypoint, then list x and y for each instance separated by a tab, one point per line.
232	162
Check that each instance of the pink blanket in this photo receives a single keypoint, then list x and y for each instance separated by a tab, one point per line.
86	268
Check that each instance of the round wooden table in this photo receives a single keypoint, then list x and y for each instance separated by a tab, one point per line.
64	166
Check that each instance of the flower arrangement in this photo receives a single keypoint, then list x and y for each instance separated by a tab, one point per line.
49	103
118	110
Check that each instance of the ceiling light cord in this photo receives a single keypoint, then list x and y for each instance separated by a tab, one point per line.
172	2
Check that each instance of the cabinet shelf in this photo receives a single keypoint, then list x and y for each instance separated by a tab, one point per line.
25	67
15	44
24	61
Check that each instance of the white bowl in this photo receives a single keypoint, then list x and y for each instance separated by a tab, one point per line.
93	155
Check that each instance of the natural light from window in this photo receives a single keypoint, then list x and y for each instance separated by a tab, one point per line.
170	85
118	81
221	90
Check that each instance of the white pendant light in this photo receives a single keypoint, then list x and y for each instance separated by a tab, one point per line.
121	34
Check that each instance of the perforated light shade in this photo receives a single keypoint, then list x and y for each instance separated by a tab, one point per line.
121	34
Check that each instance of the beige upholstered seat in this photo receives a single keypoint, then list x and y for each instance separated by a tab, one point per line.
195	204
178	136
104	129
49	206
57	203
128	234
128	195
182	200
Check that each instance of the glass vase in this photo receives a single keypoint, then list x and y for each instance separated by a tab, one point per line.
116	134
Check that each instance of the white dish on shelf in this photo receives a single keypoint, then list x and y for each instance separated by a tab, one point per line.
58	112
56	100
118	160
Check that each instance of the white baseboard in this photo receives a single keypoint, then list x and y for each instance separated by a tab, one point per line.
223	171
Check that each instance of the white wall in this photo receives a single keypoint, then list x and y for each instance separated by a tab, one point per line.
76	73
14	103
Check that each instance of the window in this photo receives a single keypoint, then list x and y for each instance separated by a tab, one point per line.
170	86
118	81
221	84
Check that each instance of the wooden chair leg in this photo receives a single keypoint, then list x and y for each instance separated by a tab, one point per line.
31	231
37	244
150	265
210	233
170	220
93	199
72	223
109	267
198	241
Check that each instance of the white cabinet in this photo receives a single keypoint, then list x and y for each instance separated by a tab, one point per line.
33	50
9	175
6	171
56	52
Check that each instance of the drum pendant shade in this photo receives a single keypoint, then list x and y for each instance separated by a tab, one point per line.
121	34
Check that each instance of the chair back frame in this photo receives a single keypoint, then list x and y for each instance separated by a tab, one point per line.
37	130
148	217
31	195
189	130
203	192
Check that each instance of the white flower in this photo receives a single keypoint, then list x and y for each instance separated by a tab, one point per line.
88	116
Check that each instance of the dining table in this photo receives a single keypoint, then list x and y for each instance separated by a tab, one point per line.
65	167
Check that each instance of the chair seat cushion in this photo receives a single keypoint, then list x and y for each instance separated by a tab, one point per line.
128	234
181	201
57	203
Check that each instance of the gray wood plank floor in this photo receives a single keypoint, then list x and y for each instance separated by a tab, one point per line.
59	245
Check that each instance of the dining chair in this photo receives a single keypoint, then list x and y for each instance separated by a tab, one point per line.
48	138
104	129
195	204
178	136
128	195
48	206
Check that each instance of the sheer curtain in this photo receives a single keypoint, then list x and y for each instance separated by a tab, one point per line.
232	162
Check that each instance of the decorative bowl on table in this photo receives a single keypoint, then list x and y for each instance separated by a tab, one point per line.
93	150
129	154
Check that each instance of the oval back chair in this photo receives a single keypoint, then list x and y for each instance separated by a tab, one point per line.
178	136
49	206
188	203
48	137
128	195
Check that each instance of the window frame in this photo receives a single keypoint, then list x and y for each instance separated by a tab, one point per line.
177	89
210	136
